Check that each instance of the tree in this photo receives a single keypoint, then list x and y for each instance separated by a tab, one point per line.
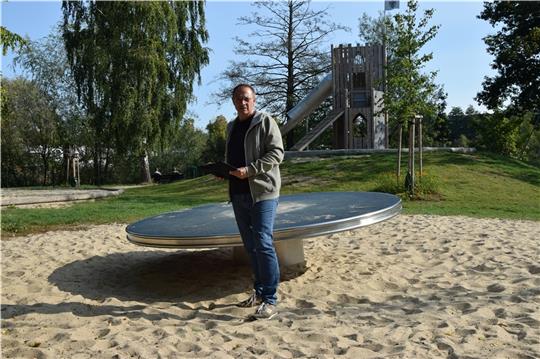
457	122
10	40
184	150
325	139
284	58
15	42
217	138
372	31
435	130
29	123
376	31
437	133
403	39
409	92
462	125
498	132
516	47
45	61
13	152
134	64
528	141
190	144
384	30
29	130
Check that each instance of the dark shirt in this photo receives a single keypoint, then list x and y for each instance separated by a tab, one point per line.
236	155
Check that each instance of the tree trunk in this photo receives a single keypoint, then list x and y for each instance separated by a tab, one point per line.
107	163
97	165
145	168
66	160
45	159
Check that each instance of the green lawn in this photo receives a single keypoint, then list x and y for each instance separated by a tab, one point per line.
478	185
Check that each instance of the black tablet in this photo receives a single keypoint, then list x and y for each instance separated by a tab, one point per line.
219	169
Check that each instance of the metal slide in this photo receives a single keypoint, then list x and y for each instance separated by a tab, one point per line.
316	132
308	104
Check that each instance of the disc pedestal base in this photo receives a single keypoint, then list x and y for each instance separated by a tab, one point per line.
290	253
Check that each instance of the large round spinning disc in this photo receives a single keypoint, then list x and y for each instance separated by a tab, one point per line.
298	216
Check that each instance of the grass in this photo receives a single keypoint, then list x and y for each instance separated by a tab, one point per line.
478	185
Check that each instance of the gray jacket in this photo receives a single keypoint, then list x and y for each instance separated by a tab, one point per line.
264	151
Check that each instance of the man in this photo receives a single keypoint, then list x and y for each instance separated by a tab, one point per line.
254	146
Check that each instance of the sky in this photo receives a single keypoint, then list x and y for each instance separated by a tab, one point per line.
459	53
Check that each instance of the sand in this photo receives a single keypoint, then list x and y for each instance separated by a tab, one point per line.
411	287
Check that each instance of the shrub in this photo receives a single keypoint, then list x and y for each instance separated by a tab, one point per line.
426	187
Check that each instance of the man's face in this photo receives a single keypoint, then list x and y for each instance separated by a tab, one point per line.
244	102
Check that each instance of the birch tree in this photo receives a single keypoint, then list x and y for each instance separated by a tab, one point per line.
134	64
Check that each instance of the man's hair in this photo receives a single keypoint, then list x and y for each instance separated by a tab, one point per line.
240	86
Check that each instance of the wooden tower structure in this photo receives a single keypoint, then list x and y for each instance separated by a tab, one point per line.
356	86
358	73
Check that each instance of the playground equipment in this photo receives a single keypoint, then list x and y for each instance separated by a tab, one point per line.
298	216
356	85
73	175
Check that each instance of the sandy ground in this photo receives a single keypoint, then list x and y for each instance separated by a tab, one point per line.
411	287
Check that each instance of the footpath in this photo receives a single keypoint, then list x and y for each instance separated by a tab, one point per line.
34	197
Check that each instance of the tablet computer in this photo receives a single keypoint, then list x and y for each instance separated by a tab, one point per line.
219	169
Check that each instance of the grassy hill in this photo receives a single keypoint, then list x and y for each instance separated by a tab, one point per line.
479	185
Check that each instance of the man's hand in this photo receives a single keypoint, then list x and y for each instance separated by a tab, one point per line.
241	172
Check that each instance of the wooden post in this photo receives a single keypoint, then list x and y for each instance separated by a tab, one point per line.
400	140
420	145
410	173
385	84
74	165
307	130
68	159
78	173
412	155
77	164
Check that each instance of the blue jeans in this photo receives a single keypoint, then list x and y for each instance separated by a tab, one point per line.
256	224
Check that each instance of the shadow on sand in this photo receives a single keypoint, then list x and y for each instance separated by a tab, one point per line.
157	276
182	279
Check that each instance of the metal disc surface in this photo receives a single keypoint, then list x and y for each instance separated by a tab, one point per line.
298	216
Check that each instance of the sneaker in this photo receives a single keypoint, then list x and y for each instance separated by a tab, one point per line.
265	311
253	301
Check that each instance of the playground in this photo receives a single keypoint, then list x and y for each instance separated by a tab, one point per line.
88	290
437	258
91	293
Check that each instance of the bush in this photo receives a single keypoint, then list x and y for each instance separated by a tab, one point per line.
463	141
498	133
426	187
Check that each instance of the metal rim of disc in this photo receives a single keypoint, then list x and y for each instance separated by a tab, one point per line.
231	240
